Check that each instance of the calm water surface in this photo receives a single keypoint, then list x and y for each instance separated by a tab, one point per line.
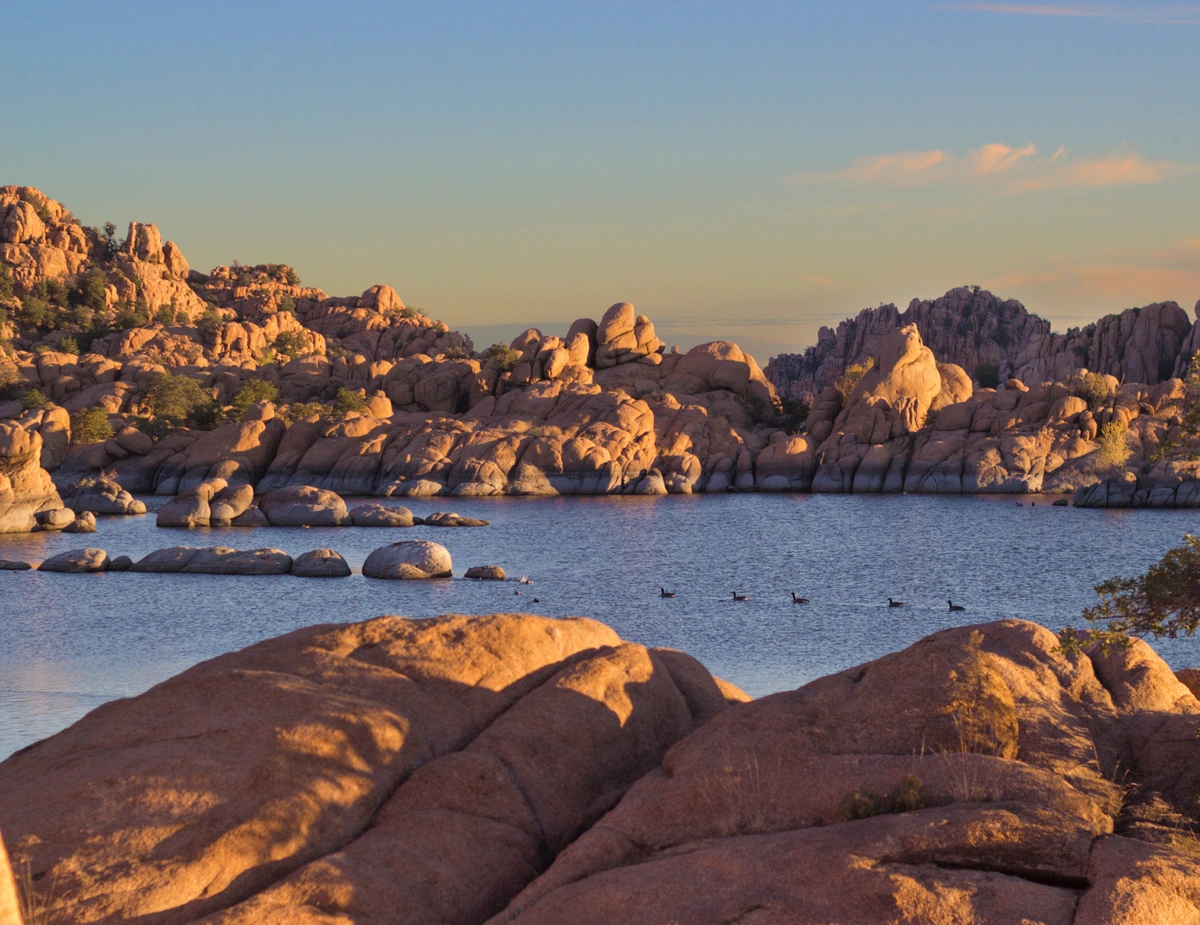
71	642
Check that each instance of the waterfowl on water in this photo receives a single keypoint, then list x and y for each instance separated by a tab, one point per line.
892	603
740	597
954	606
799	600
663	592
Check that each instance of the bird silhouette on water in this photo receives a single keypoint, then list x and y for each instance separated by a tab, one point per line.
799	600
954	606
740	597
663	592
892	603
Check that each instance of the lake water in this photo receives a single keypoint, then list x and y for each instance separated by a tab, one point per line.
71	642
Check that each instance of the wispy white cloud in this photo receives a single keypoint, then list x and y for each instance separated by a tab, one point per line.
1115	170
1166	14
907	168
1135	275
1014	169
996	158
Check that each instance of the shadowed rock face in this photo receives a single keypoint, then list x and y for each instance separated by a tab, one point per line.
521	769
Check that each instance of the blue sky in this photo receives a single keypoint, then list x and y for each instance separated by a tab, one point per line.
748	171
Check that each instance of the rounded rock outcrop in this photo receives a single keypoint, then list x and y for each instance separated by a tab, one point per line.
89	559
103	497
409	559
320	563
380	515
302	506
452	519
486	573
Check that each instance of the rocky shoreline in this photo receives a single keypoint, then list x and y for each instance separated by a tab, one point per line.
515	768
292	388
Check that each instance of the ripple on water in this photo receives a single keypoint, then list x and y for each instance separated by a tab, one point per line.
70	642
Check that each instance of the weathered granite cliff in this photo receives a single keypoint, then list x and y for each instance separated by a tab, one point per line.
521	769
970	327
286	386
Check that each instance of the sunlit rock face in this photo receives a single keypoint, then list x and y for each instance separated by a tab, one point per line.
970	327
365	772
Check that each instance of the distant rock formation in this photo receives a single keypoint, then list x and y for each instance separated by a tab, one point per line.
969	327
518	769
367	396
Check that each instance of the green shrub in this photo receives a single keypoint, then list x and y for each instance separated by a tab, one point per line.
302	409
69	345
209	318
251	391
503	356
6	282
152	428
90	426
1094	388
36	313
1160	603
34	398
52	291
89	290
349	401
987	375
176	399
287	304
904	798
851	376
166	314
795	413
1114	449
455	353
291	343
131	316
292	277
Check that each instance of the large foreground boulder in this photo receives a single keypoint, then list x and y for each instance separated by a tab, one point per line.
409	559
278	783
511	769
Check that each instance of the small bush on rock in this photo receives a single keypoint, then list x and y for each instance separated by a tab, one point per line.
90	426
349	401
251	391
34	398
291	343
851	376
904	798
1093	388
176	399
503	356
1114	449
